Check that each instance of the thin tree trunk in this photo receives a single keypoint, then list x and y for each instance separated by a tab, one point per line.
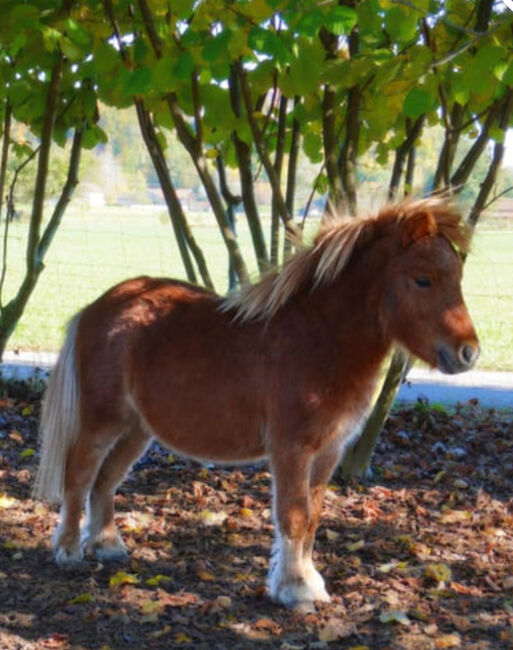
348	158
232	202
32	257
462	173
446	158
402	153
286	217
243	153
194	147
278	167
291	177
356	458
329	134
37	248
183	235
497	158
5	151
410	171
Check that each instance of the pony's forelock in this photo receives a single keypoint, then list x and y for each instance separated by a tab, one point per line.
324	261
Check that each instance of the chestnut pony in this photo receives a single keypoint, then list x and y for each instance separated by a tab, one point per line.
283	370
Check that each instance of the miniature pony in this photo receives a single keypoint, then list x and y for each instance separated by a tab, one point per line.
284	370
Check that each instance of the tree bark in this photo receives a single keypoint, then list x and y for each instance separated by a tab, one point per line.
356	458
402	153
497	158
183	234
446	158
286	217
5	151
32	257
278	167
243	153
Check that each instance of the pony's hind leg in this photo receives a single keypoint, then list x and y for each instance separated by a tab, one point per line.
101	536
83	460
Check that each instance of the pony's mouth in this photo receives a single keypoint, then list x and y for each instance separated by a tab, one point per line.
451	362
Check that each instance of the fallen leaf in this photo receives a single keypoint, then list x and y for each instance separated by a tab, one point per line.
123	578
181	637
56	641
209	518
355	546
157	634
448	641
394	616
82	599
156	580
206	576
7	502
455	516
26	453
27	410
438	572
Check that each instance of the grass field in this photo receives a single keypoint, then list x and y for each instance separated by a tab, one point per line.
91	252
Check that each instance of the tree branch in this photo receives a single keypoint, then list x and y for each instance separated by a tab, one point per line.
289	224
497	157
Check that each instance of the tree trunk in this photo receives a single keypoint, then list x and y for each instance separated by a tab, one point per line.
37	247
5	151
356	458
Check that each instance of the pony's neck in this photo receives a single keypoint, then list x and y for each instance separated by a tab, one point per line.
347	320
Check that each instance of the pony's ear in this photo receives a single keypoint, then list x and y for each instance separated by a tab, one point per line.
422	224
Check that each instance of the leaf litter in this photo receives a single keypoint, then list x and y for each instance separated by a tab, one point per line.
418	557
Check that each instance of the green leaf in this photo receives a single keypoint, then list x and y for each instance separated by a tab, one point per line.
310	22
77	33
106	58
340	20
267	42
312	145
507	77
417	102
217	46
139	81
184	66
400	25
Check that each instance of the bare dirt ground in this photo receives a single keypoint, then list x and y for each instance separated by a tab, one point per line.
420	557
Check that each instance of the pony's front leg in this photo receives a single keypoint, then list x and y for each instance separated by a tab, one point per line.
323	465
288	576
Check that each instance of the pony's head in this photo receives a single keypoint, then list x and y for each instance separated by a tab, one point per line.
423	305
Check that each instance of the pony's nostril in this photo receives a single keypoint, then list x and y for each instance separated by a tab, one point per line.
468	354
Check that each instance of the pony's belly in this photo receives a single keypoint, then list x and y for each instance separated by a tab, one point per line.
223	442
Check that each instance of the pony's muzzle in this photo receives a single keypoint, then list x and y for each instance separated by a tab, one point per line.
468	354
453	360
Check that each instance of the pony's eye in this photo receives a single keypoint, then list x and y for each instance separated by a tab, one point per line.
423	282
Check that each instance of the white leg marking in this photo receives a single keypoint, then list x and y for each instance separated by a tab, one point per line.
287	580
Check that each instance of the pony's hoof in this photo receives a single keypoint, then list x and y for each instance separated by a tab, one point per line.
110	554
304	607
106	550
68	558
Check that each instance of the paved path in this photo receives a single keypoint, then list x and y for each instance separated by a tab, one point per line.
493	389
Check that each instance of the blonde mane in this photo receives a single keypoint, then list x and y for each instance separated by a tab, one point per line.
324	261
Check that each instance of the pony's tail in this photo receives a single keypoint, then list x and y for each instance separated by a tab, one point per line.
59	421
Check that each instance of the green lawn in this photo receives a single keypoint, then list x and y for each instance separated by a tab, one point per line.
95	249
